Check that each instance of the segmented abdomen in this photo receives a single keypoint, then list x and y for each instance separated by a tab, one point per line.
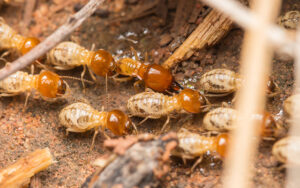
6	36
219	81
287	148
220	119
17	83
194	144
151	104
80	117
68	55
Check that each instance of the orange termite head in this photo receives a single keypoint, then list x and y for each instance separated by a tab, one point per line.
269	127
51	85
157	78
119	123
29	43
222	143
102	63
191	101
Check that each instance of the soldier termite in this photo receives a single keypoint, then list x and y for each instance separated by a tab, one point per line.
289	102
155	105
154	76
193	145
287	148
47	83
221	120
10	39
222	82
68	55
81	117
290	20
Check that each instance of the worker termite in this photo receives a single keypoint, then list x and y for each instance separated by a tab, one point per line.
290	20
10	39
192	145
288	104
68	55
222	120
81	117
155	105
222	82
154	76
287	149
47	83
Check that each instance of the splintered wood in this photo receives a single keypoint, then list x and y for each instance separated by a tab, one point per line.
144	164
214	27
19	174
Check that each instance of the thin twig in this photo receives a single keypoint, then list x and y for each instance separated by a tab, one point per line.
255	67
29	6
248	20
293	172
72	23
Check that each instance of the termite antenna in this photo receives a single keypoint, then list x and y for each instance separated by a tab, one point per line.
79	79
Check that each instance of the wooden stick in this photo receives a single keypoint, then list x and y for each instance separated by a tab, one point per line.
248	20
214	27
293	171
255	66
72	23
19	173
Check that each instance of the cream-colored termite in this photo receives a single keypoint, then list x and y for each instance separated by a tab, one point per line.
193	145
81	117
222	82
287	148
156	105
222	120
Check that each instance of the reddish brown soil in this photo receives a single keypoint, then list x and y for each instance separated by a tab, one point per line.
38	127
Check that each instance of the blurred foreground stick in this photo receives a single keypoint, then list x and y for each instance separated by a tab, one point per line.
139	161
19	174
213	28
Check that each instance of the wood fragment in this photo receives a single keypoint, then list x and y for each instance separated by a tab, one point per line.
71	24
143	165
29	6
214	27
19	174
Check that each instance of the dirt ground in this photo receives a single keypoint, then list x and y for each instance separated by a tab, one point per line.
38	127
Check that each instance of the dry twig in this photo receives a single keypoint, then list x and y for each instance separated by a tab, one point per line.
72	23
255	66
19	173
248	20
209	32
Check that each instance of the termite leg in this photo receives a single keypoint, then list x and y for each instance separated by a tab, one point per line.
123	79
26	101
145	119
165	124
92	75
134	53
2	57
94	137
81	76
135	85
199	160
135	129
8	94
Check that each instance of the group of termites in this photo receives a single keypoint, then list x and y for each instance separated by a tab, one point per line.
163	96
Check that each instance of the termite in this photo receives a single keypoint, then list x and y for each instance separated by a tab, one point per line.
156	105
68	55
290	20
287	149
222	82
193	145
47	83
154	76
222	120
290	102
81	117
10	39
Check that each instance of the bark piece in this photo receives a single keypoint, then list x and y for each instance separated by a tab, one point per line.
144	164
